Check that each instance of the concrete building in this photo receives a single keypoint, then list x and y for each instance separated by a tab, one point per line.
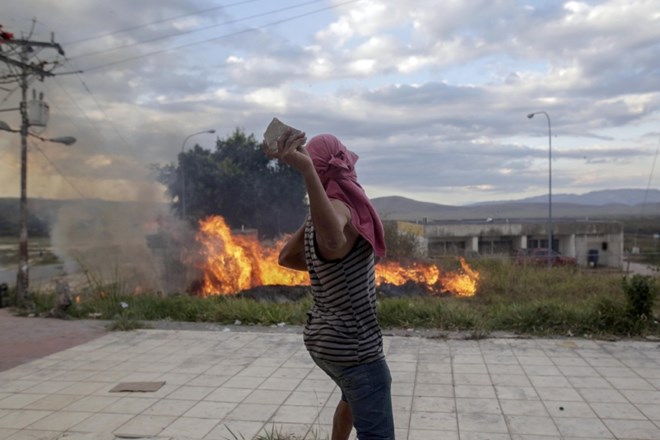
573	238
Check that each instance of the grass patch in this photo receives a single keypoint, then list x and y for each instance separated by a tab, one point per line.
277	434
125	322
525	300
217	309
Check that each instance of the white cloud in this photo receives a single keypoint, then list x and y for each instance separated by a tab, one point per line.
363	66
576	8
413	64
268	98
442	87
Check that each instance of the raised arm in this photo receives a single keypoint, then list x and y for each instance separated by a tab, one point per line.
334	233
331	219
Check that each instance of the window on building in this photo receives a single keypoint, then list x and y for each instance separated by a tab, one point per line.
498	246
542	244
440	248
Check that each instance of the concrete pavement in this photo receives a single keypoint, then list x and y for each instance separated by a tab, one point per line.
26	339
231	384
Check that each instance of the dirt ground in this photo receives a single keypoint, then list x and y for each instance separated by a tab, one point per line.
25	339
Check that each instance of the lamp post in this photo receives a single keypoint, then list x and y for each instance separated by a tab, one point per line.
23	275
183	171
530	116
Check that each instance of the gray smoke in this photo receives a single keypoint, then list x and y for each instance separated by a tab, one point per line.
106	244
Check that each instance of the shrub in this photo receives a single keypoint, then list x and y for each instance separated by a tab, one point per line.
401	245
640	294
603	315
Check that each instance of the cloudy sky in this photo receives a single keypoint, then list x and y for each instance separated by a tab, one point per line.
432	94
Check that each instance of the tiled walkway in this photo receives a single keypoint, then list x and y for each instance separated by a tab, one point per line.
226	385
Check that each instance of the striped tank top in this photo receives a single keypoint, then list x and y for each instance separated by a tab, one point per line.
341	325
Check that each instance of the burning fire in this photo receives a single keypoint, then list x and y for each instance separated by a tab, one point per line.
236	262
463	283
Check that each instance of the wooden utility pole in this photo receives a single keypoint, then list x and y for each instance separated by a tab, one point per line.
18	56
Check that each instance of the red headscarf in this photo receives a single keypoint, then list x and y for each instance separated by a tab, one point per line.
335	165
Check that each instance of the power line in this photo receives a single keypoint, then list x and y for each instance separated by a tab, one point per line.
89	120
106	116
32	144
11	92
114	127
63	113
233	34
192	31
164	20
94	126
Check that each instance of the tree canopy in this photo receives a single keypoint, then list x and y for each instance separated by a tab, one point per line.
238	182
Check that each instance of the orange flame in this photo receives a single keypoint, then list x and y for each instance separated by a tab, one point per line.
462	283
239	262
236	262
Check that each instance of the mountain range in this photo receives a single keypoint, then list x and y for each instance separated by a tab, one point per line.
606	204
629	197
615	203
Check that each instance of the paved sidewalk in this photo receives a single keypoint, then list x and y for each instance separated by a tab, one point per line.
219	383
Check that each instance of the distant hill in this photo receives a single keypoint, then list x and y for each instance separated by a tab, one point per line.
47	209
401	208
606	204
630	197
43	213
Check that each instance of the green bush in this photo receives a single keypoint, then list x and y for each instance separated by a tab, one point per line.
607	315
401	246
640	292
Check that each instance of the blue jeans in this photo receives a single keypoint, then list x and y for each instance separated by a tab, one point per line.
367	389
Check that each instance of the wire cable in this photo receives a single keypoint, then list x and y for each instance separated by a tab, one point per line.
75	188
164	20
82	112
192	31
114	127
233	34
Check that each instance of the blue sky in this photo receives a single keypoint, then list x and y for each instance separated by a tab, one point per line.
433	95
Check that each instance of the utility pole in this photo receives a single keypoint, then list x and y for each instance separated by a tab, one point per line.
22	50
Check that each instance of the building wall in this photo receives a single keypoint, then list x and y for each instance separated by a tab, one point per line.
571	238
609	247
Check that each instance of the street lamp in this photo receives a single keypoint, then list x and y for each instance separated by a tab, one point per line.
530	116
23	275
66	140
183	171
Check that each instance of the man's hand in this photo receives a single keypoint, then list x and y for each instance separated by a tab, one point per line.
291	150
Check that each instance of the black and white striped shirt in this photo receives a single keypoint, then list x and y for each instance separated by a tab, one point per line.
341	325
